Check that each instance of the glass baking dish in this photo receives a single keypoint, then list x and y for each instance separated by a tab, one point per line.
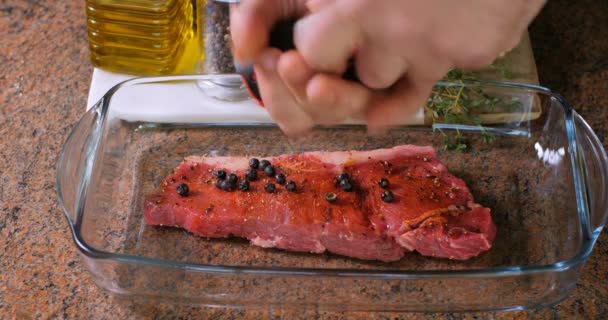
543	174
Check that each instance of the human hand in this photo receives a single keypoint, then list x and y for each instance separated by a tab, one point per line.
402	47
251	24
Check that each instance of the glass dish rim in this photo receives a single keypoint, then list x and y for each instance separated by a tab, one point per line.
589	236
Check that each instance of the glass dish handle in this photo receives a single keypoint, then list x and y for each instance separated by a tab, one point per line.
595	169
74	161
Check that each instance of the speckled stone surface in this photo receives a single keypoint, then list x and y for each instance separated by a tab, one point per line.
44	78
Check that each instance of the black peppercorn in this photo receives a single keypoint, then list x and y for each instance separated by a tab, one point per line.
244	185
387	196
290	186
269	171
343	176
218	183
346	185
232	178
383	183
182	189
251	174
254	163
227	186
264	164
280	178
331	197
269	187
220	174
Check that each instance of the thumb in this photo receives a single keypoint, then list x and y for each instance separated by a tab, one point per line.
328	37
252	20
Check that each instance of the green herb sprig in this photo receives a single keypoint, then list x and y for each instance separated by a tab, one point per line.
460	104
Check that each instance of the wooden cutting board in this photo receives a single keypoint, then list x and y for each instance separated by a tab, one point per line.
520	62
522	67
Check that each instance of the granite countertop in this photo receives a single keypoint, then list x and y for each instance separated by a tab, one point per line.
44	79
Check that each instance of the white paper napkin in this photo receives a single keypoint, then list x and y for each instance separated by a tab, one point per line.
182	102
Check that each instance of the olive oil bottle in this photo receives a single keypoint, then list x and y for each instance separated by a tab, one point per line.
145	37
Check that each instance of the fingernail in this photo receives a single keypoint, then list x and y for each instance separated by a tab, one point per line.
269	60
375	127
293	131
319	94
375	130
240	65
314	5
240	62
299	30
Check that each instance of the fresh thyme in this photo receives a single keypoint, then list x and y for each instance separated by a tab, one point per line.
502	69
456	142
461	104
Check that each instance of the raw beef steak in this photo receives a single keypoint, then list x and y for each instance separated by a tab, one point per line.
418	206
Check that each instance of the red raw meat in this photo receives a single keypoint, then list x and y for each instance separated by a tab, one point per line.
433	212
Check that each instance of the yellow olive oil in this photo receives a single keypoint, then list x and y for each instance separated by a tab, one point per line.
145	37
